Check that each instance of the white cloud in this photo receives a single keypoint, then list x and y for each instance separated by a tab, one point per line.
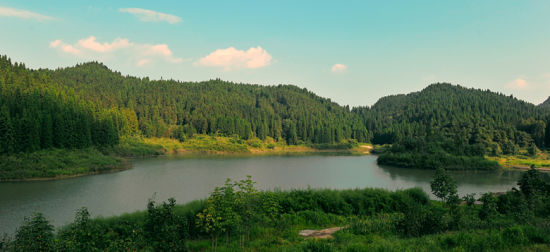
518	83
231	58
11	12
141	54
151	16
64	47
90	43
338	68
142	62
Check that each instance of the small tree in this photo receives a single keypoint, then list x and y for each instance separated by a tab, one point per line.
219	215
444	187
246	205
469	199
270	208
488	210
162	227
79	235
532	150
533	183
36	234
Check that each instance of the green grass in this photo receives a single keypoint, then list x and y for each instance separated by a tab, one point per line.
540	160
56	163
139	147
205	143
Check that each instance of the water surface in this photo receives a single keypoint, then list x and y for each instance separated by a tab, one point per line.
188	179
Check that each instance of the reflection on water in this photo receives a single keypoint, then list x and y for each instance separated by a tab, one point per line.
191	178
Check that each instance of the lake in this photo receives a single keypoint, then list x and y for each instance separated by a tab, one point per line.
190	178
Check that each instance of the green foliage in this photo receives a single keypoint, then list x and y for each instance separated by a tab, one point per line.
236	208
382	224
56	163
444	187
488	210
82	234
434	152
180	109
162	228
534	183
318	246
35	116
469	199
421	220
36	234
237	217
453	127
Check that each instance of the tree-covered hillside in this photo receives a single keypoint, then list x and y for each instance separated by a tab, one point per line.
35	114
445	120
91	105
169	108
545	104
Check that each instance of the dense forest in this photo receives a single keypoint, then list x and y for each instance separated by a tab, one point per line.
35	115
453	126
169	108
237	217
546	103
165	108
89	105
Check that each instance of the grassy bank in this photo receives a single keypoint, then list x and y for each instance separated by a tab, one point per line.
237	217
436	160
227	145
64	163
57	163
541	160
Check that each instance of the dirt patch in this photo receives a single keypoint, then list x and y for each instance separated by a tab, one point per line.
320	234
366	148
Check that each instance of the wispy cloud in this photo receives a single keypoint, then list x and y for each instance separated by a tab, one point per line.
151	16
141	54
518	83
338	68
25	14
231	58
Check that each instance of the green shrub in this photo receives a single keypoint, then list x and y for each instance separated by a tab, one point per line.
162	228
514	236
314	245
36	234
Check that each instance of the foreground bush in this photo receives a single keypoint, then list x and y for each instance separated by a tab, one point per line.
237	217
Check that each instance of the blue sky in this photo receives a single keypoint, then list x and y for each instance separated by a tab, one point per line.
353	52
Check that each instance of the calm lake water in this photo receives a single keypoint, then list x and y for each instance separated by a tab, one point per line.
188	179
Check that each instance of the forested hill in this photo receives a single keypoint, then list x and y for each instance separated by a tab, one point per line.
169	108
445	119
546	104
37	114
89	104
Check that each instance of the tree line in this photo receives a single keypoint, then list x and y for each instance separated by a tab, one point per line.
34	115
451	125
91	105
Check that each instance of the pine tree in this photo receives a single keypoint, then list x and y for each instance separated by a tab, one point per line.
6	131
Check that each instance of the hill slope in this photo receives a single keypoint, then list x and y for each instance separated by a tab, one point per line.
446	120
545	104
171	108
91	105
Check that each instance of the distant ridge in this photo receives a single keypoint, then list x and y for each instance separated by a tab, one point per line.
545	104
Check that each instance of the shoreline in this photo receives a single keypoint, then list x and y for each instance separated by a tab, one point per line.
525	168
126	163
